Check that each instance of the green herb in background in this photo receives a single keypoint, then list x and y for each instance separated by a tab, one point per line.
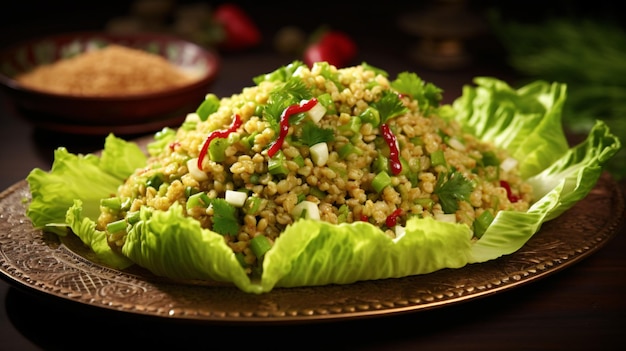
589	56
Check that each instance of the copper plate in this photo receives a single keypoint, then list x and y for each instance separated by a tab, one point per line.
42	262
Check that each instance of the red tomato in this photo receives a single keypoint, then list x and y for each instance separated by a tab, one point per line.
241	32
334	47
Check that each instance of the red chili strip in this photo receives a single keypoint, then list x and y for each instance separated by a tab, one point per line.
284	123
512	197
174	145
394	152
392	219
221	133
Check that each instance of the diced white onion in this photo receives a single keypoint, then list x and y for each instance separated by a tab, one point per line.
508	164
400	230
298	71
316	112
310	208
194	171
456	144
236	198
319	153
446	217
192	117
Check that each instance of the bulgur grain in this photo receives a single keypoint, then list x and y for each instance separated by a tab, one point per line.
112	70
343	189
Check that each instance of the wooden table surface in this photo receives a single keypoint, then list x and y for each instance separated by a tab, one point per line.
579	308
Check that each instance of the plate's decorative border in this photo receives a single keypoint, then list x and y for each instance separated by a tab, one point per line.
42	262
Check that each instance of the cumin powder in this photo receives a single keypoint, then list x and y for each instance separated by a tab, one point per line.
113	70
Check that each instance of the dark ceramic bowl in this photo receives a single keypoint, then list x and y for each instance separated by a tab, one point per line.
106	110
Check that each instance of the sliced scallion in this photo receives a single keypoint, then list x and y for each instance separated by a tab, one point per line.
260	245
380	181
117	226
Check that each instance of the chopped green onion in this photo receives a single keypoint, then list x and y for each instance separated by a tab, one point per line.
199	199
113	203
425	202
253	205
299	160
381	164
317	193
248	141
217	149
133	217
490	159
349	149
155	181
327	101
276	165
342	214
210	104
260	245
189	190
370	115
437	158
380	181
117	226
255	178
481	223
353	127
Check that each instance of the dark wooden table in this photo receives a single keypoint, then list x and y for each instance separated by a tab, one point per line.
580	308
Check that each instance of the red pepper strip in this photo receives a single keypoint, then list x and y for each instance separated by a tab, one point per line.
364	218
394	152
512	197
284	123
392	219
221	133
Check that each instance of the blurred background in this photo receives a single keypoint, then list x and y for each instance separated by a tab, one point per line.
581	43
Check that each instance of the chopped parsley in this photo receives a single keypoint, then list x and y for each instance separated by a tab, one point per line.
284	95
225	219
313	134
427	95
451	189
389	106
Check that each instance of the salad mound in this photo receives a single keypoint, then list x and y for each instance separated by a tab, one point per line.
322	175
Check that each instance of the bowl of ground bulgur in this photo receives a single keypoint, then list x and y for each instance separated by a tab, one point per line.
94	78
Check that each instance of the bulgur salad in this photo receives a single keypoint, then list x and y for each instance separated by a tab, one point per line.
324	175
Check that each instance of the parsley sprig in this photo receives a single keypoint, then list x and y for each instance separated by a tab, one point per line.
313	134
284	95
225	219
428	95
451	189
389	106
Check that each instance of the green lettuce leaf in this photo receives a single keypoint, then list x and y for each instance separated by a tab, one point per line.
85	229
318	253
87	178
525	121
172	245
